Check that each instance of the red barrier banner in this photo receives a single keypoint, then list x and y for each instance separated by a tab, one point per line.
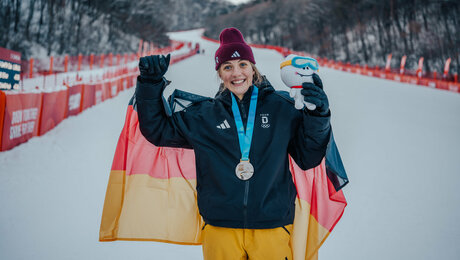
53	110
349	69
432	83
413	80
124	83
381	74
106	90
113	88
21	119
133	81
2	114
454	87
398	77
89	96
74	101
442	85
375	72
98	94
369	72
391	76
409	79
120	84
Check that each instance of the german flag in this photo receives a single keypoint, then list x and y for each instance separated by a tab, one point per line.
151	194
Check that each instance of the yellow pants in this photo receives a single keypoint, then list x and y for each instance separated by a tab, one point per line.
253	244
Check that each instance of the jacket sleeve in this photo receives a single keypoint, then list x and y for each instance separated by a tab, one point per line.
155	124
309	144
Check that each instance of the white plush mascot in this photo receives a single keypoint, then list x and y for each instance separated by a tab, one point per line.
296	70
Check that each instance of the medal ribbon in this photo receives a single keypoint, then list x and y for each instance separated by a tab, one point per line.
245	137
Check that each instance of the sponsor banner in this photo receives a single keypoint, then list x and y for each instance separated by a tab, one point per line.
74	100
409	79
133	81
98	94
404	78
376	73
124	83
22	115
431	83
53	110
89	96
21	119
454	87
364	72
113	88
120	84
413	80
391	76
10	69
442	85
2	113
398	77
381	74
106	87
418	80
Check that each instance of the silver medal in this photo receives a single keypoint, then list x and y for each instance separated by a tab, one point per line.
244	170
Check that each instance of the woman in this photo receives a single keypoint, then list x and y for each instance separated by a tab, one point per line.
242	139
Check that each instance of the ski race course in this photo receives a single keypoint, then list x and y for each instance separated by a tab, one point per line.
399	144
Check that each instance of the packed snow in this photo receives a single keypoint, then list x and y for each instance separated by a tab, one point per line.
399	143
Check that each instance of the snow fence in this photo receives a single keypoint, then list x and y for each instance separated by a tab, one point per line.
25	114
399	74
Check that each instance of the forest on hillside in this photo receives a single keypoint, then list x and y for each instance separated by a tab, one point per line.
53	27
355	31
58	27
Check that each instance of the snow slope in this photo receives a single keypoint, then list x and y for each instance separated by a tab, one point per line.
399	143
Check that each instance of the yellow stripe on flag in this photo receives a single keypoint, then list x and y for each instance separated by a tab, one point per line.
164	209
112	206
307	234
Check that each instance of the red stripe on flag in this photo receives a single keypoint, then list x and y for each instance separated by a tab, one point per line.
136	155
314	186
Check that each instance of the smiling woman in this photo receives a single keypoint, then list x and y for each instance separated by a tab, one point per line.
242	140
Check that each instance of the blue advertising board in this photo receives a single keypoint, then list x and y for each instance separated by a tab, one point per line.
10	69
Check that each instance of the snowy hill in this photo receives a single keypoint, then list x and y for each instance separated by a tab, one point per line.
399	144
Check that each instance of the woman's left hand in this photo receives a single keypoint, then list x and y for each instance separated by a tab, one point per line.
314	93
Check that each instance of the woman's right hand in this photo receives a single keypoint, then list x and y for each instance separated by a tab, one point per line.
153	68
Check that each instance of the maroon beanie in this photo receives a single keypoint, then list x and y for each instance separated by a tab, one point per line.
232	47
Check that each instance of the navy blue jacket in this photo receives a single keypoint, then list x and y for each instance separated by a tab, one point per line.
267	200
